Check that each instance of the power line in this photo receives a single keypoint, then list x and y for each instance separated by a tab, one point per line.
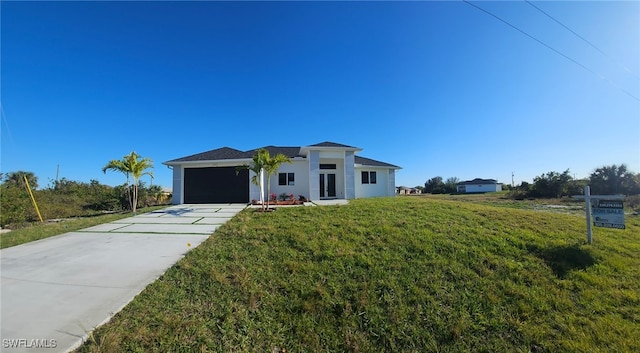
567	28
581	37
553	49
6	123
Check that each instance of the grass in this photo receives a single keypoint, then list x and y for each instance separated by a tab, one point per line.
502	199
399	274
39	231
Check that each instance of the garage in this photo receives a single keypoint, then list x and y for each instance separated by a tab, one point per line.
216	185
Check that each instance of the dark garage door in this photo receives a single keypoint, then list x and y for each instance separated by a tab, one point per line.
216	185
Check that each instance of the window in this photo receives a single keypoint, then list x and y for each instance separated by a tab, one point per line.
327	166
286	179
369	177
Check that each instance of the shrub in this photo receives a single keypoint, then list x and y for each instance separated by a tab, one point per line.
283	197
16	207
633	202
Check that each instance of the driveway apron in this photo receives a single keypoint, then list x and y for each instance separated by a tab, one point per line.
56	290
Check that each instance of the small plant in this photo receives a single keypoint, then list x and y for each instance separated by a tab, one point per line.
283	197
272	196
291	197
301	198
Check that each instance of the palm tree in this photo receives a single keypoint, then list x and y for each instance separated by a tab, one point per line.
133	166
611	179
17	179
271	167
156	193
257	167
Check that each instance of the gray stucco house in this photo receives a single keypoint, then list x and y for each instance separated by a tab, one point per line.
478	185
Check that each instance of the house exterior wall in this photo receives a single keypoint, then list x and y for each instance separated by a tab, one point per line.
470	188
349	175
332	154
178	185
380	188
254	190
391	184
314	175
300	169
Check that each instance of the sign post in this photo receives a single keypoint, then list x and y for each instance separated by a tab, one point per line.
608	211
587	198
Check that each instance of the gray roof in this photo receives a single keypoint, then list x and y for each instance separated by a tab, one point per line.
217	154
373	162
478	181
225	153
232	153
290	152
330	144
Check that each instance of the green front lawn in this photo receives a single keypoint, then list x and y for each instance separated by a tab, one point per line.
404	274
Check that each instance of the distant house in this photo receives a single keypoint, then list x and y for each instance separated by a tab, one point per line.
325	170
478	185
404	190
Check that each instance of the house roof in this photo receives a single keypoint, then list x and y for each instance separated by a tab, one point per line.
217	154
373	162
227	153
478	181
330	144
290	152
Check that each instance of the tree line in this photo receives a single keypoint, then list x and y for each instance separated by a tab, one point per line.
68	198
605	180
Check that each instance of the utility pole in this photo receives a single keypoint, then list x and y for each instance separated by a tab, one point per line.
513	185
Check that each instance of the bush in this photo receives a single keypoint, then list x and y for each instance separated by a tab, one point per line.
633	202
68	198
15	206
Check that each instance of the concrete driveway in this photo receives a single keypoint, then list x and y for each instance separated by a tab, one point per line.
56	290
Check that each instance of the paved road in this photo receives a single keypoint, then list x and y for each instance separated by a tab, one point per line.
55	290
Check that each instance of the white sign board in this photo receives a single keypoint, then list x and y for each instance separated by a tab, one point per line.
608	213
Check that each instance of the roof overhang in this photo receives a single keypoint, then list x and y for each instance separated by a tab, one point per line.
212	161
304	151
359	165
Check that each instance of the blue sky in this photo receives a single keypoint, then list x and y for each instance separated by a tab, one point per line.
438	88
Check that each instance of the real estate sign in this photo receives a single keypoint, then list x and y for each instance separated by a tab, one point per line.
608	213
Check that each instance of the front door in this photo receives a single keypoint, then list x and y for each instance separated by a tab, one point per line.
327	185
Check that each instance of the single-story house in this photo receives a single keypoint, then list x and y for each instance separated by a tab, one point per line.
404	190
325	170
478	185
